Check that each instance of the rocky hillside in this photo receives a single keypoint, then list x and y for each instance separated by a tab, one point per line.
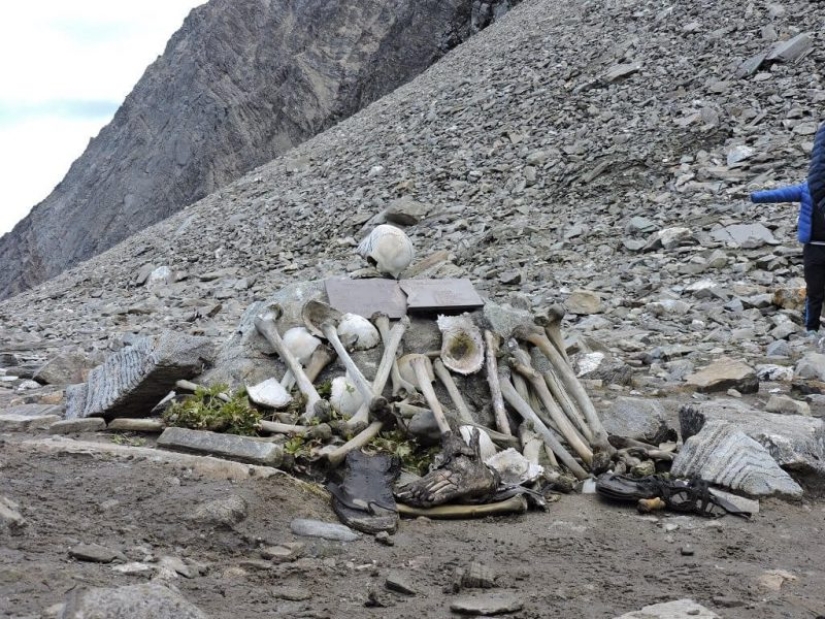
242	82
604	147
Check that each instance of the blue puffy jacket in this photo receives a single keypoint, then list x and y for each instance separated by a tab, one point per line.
810	195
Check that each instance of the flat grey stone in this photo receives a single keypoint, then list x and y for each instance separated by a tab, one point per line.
29	417
65	369
680	609
95	553
146	601
150	426
811	367
133	380
72	426
746	236
292	594
228	446
487	604
324	530
793	49
723	455
723	375
398	582
584	302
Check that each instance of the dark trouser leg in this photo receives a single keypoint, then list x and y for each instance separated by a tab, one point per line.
814	265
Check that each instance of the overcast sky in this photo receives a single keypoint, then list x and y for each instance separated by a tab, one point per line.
66	67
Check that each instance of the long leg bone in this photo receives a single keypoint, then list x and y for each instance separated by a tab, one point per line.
321	358
561	396
447	379
523	408
265	324
382	323
495	388
419	364
521	363
538	338
385	367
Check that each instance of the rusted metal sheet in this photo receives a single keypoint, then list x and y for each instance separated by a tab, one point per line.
441	295
367	296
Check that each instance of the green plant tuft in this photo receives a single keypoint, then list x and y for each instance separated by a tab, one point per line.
204	410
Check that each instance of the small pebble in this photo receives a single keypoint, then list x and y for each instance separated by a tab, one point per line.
687	550
384	538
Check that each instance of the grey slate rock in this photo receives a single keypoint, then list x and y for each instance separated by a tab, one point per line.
723	375
325	530
486	604
222	512
795	442
679	609
746	236
146	601
65	369
723	455
95	553
10	518
132	381
28	417
637	418
73	426
228	446
793	49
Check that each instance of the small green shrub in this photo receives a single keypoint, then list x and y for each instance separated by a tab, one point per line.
206	411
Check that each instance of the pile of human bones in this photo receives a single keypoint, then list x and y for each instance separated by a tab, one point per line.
545	425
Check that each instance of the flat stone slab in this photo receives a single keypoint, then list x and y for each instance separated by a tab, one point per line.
224	445
150	426
723	375
426	295
209	467
325	530
146	601
796	443
95	553
726	456
133	380
486	604
365	297
74	426
10	517
29	417
680	609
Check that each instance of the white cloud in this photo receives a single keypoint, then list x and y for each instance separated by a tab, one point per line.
66	67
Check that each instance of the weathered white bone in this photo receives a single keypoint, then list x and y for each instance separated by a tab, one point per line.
521	363
321	358
382	323
523	408
502	423
536	336
422	367
462	349
550	319
337	456
265	324
385	367
320	317
563	398
321	431
447	379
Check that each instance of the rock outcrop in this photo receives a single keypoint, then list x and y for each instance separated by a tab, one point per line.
240	83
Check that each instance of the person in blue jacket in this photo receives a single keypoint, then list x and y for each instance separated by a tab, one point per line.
811	227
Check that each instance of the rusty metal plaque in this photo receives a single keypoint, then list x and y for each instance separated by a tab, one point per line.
425	295
367	296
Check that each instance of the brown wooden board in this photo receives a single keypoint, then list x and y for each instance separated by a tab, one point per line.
426	295
367	296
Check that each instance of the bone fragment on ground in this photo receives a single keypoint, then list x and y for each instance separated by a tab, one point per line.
551	321
337	456
523	408
502	423
422	369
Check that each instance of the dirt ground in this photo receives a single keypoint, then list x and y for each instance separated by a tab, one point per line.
581	558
